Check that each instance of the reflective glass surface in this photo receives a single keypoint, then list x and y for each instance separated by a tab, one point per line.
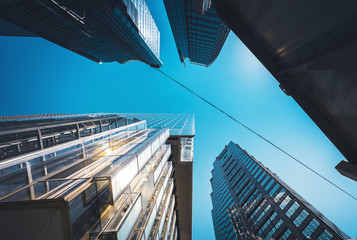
292	209
325	235
310	228
301	217
285	235
179	124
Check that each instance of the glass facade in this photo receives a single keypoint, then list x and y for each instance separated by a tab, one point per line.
99	176
251	202
180	125
120	31
198	31
182	131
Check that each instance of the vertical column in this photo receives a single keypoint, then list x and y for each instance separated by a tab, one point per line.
116	123
39	138
77	131
100	126
29	177
18	145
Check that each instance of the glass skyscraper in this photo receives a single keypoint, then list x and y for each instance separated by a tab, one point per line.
103	31
91	176
198	31
182	131
251	202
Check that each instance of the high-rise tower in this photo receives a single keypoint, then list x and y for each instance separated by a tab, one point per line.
103	31
251	202
182	131
88	176
312	57
198	31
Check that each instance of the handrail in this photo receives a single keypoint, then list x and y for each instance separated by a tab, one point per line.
19	159
44	179
55	125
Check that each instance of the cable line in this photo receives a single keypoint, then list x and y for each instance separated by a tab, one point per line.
257	134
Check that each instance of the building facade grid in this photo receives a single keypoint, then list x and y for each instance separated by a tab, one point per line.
251	202
198	31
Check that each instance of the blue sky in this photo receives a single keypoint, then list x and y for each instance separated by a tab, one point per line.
40	77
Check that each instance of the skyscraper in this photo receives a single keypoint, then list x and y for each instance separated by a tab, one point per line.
198	31
182	131
88	176
312	57
251	202
104	31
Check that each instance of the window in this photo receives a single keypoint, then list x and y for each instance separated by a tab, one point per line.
255	169
310	228
261	176
271	193
263	213
266	224
301	217
325	235
285	235
292	209
257	173
274	228
285	202
265	179
269	184
258	208
252	166
279	195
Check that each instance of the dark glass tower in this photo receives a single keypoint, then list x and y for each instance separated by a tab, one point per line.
198	31
251	202
103	31
93	176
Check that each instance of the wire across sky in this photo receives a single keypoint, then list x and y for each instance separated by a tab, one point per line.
257	134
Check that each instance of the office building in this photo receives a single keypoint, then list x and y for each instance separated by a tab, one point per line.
89	176
182	131
312	57
251	202
198	31
102	31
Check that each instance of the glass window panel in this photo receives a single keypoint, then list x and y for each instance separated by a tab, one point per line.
301	217
285	235
257	173
310	228
279	195
261	176
269	184
265	179
325	235
285	202
292	209
271	193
